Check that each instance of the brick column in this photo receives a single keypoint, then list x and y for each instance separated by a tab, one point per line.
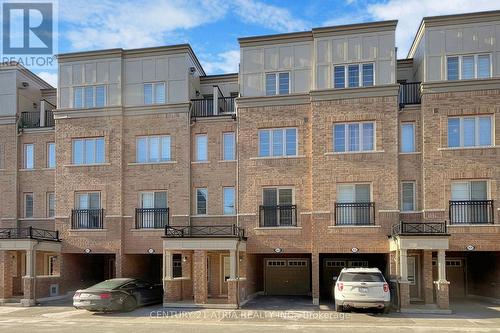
119	265
28	291
200	283
173	290
404	294
232	291
187	275
427	274
5	275
315	277
442	294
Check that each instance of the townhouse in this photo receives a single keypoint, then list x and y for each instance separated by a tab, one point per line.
325	151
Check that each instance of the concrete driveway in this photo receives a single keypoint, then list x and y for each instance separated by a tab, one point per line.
281	314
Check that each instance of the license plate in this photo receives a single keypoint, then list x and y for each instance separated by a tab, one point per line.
363	290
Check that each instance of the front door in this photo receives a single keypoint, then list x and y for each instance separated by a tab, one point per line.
414	277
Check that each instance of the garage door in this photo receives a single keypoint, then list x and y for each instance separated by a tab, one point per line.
287	276
455	274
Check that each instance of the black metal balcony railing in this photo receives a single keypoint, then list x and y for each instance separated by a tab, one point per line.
151	218
419	228
29	233
31	119
278	216
409	93
87	218
229	231
205	107
355	213
471	212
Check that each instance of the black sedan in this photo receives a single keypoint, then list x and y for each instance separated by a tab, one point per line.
118	294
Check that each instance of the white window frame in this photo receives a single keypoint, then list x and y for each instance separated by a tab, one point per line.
276	82
224	145
25	153
154	98
85	140
49	194
196	200
469	186
197	157
476	131
141	193
346	137
476	65
353	185
413	196
148	148
223	200
414	137
271	134
94	97
25	195
278	188
48	155
87	193
346	74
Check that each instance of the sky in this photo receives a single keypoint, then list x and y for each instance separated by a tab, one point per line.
212	27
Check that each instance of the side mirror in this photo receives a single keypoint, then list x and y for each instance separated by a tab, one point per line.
335	278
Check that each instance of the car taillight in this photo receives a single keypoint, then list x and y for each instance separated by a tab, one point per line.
340	286
386	288
105	296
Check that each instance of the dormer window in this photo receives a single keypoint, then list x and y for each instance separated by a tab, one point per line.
354	75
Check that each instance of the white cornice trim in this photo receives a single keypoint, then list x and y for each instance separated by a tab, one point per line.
460	85
277	100
388	90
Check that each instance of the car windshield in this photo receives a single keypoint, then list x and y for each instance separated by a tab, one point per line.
361	277
109	284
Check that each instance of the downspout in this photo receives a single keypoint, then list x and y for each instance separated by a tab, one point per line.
190	125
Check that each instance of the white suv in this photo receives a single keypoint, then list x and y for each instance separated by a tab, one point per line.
361	288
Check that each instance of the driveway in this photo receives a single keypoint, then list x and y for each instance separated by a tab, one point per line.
281	314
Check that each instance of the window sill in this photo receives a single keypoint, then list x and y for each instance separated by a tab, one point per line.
278	228
353	226
227	161
26	170
151	163
85	165
36	219
213	215
151	230
354	152
481	225
410	212
276	157
88	230
411	153
200	162
467	148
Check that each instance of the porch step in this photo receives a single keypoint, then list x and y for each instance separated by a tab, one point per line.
424	309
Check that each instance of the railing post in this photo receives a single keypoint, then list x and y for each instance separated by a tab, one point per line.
216	100
42	113
30	232
57	234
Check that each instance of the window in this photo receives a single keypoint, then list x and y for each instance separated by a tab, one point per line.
154	199
408	196
470	131
352	193
469	190
51	204
88	151
467	67
154	93
176	265
407	137
278	142
353	206
355	75
150	149
229	199
354	137
277	83
228	153
201	201
88	200
201	147
153	213
51	264
278	209
51	155
29	156
28	205
89	96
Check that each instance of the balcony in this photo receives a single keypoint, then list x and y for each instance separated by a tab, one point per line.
471	212
223	106
31	119
278	216
409	94
87	218
211	231
354	213
29	233
419	229
151	218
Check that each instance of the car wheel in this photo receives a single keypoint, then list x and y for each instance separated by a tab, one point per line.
129	304
386	310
